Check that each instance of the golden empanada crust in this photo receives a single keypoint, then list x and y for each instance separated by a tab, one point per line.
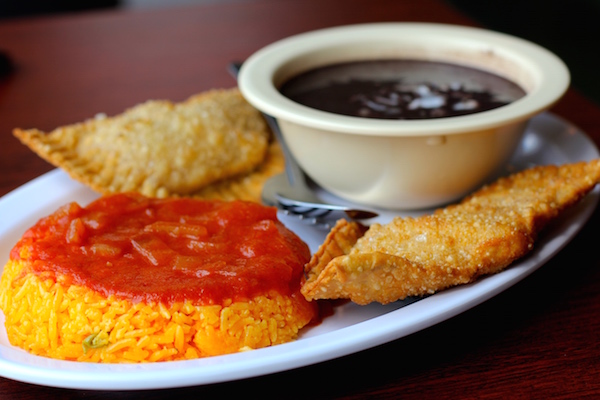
160	148
482	235
246	186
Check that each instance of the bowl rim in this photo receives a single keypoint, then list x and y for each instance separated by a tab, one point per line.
258	72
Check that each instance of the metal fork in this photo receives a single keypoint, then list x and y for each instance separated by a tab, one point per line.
290	191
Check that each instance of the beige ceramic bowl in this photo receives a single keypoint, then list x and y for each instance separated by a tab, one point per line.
403	164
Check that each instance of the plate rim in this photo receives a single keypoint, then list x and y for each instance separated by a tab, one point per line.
14	362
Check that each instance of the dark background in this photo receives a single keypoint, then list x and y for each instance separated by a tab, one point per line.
569	28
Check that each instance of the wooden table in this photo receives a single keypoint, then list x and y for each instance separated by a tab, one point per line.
539	339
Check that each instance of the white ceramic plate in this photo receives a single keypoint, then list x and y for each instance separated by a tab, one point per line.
350	329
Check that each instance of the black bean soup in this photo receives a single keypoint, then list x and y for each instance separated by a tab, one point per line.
401	89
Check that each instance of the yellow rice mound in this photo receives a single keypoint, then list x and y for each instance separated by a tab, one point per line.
49	317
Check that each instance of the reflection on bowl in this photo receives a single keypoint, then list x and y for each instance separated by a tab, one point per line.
403	163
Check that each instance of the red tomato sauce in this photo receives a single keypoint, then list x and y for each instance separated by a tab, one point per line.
167	250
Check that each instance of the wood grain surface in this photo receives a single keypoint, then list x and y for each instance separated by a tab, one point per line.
538	340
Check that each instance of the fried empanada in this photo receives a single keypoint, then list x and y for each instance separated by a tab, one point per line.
481	235
247	186
160	148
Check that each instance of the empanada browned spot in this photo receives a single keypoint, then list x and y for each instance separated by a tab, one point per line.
483	234
339	241
159	148
246	186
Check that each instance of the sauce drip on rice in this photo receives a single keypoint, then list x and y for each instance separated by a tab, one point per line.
167	250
